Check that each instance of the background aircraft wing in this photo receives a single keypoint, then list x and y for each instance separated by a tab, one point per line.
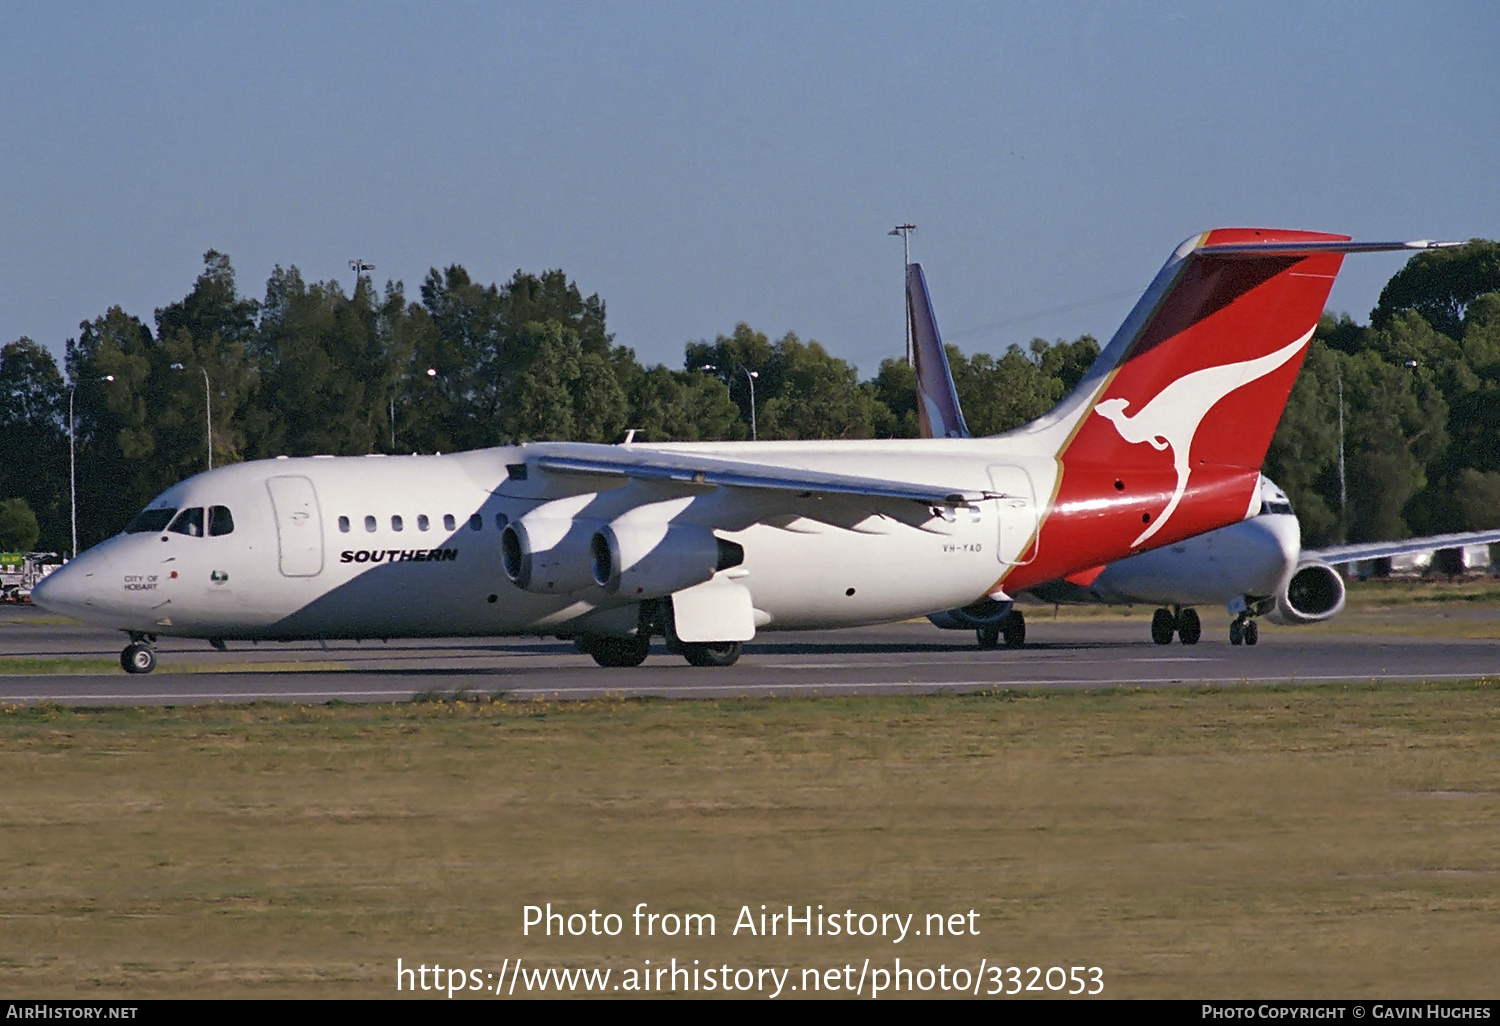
1405	547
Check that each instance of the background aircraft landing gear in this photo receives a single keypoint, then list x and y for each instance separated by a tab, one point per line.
711	653
138	657
1163	626
1243	631
1189	628
1012	628
616	652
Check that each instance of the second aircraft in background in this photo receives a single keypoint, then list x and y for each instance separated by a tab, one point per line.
1254	568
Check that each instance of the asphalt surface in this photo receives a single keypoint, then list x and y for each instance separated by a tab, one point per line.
901	658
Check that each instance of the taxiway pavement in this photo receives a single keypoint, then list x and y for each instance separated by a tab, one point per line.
899	658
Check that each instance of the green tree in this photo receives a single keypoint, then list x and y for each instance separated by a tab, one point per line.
34	438
117	370
683	406
210	331
18	526
1303	456
1440	284
328	366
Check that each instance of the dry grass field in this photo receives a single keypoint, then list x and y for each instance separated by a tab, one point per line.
1315	842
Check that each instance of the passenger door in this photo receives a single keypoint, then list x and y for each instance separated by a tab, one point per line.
299	525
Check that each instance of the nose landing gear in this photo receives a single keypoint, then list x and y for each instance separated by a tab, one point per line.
139	656
1243	630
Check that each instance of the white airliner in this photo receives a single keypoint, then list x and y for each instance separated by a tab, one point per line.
705	544
1254	568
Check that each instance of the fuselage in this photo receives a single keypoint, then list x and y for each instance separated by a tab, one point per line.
409	546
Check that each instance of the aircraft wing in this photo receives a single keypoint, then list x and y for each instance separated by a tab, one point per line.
1385	550
708	471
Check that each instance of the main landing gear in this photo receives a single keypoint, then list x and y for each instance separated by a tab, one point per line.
140	655
618	652
1182	622
1012	627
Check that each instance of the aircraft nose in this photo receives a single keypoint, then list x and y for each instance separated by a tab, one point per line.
71	588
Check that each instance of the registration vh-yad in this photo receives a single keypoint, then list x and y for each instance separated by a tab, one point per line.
704	544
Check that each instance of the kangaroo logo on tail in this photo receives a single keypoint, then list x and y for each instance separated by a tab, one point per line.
1172	417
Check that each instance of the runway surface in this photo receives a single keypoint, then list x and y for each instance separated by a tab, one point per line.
901	658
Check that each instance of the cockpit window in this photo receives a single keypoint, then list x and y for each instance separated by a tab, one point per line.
220	521
1276	506
149	521
189	522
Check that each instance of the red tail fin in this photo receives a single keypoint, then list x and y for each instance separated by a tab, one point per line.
1164	437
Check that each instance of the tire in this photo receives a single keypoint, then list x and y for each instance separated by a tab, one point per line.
138	658
1189	627
1014	629
1236	632
1163	626
1251	632
711	653
618	652
988	635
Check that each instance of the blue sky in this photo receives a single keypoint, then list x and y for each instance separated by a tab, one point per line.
703	164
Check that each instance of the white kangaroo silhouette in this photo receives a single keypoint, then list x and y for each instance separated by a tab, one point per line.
1172	416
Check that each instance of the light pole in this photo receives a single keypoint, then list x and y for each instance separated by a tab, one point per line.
73	465
208	411
359	266
750	376
905	230
431	373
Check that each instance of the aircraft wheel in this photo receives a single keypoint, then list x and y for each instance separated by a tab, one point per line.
1163	626
138	657
618	652
1251	632
1014	629
988	635
711	653
1189	629
1236	632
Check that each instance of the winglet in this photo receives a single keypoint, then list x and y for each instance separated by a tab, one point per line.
937	400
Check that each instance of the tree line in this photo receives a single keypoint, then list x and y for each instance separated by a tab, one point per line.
312	369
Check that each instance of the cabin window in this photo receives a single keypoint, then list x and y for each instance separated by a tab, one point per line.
344	525
188	522
501	520
370	524
396	523
220	521
476	522
422	522
149	521
449	523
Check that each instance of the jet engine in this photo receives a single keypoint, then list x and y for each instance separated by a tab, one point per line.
1314	592
547	551
652	559
984	613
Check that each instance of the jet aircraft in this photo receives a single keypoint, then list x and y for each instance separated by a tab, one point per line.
707	543
1255	568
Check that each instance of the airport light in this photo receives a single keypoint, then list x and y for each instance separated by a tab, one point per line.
750	376
905	230
208	411
359	266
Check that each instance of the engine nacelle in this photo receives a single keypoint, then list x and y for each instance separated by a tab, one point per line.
984	613
547	552
652	559
1315	592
